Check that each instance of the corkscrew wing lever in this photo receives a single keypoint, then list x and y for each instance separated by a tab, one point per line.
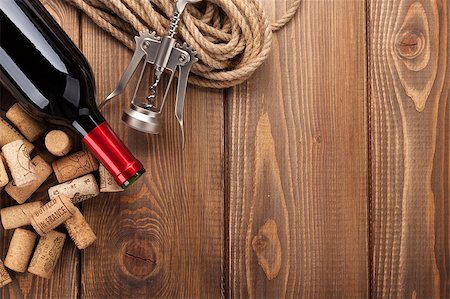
183	76
151	42
165	55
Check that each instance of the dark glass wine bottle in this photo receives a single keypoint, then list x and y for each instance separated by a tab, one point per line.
51	78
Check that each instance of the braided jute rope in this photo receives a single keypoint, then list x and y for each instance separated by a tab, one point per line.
232	38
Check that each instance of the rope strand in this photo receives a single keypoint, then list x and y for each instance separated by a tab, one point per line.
232	37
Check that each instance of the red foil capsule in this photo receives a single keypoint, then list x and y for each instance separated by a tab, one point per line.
113	154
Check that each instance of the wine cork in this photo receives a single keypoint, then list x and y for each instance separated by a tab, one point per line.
19	163
107	181
58	143
3	175
52	214
20	250
8	134
20	215
47	253
4	276
80	231
27	125
77	190
21	194
4	161
74	166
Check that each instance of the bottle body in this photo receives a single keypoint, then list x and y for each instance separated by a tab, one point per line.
50	77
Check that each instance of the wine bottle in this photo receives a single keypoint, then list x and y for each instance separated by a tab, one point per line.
51	79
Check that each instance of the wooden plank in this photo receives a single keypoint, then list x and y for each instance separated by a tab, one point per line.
65	280
410	75
163	237
298	160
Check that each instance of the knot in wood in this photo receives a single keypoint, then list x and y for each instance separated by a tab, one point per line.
259	243
410	44
266	244
139	258
317	139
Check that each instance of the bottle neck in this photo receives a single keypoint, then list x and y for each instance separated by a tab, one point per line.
109	150
87	121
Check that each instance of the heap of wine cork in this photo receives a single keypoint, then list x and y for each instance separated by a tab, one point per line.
20	215
19	163
20	250
107	182
3	175
27	125
58	143
47	254
74	166
77	190
21	194
8	134
23	172
52	214
4	276
80	231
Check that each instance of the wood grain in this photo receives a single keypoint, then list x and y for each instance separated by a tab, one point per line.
298	160
164	236
410	146
325	175
65	280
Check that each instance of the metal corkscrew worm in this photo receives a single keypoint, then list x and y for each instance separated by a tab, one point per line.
165	55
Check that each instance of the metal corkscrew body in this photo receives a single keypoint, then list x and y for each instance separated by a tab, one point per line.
166	55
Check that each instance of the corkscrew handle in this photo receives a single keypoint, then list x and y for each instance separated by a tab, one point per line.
145	43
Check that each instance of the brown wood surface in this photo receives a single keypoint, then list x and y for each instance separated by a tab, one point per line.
298	160
325	175
410	146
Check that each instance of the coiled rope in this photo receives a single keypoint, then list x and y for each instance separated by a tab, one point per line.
232	38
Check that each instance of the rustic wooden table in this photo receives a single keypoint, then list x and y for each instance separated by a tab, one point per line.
325	175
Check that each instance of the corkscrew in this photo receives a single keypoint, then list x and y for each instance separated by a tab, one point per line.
165	54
